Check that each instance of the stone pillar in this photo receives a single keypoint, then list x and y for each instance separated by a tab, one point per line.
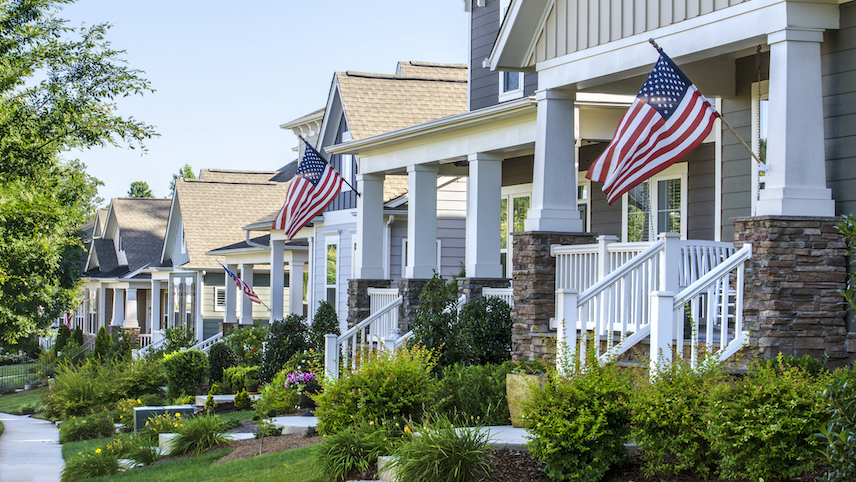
246	304
157	319
791	302
118	307
230	317
472	287
409	290
483	216
295	282
796	181
131	320
277	279
370	228
554	177
359	302
534	283
421	222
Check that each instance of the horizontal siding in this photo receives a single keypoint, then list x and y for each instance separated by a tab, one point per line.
517	170
605	219
484	83
701	192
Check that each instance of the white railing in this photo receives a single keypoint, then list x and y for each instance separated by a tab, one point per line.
206	344
157	342
505	294
374	330
618	310
145	340
380	297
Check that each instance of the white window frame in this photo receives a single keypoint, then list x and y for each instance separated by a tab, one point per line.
762	88
332	240
346	164
510	193
219	292
583	182
675	171
506	95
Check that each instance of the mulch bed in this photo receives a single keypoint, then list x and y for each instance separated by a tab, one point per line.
244	449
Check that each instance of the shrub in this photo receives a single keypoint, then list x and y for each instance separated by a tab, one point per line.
325	322
163	423
63	334
77	336
97	425
838	438
763	425
7	387
199	434
210	405
102	343
442	453
237	378
90	464
185	371
284	339
308	361
242	400
355	449
277	396
579	423
220	357
484	331
142	376
121	347
140	450
669	420
125	410
475	393
177	338
434	322
247	342
386	385
79	390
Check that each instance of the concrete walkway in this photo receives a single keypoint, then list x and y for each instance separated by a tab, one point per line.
29	450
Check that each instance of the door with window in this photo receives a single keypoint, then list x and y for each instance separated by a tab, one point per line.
656	206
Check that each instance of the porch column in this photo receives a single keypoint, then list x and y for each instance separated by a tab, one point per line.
295	282
131	320
277	278
246	304
421	222
483	216
231	316
370	228
102	306
796	180
157	319
554	178
118	307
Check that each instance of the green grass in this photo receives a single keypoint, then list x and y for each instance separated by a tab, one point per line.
296	465
233	419
13	402
2	428
70	449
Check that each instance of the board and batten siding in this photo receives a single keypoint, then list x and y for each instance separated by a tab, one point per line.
574	25
347	198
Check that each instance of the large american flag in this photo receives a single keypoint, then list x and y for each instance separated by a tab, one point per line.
242	286
667	120
313	188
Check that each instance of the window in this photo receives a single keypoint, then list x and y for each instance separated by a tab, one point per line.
330	277
584	200
760	102
510	86
665	196
517	198
219	298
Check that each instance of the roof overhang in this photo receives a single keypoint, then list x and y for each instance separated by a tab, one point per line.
518	35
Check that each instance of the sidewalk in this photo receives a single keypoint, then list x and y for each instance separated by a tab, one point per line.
29	450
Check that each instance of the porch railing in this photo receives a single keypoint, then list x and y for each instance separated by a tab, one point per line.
505	294
343	350
206	344
155	343
145	340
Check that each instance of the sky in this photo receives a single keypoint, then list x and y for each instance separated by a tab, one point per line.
226	76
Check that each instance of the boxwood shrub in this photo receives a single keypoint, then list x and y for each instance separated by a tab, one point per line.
186	371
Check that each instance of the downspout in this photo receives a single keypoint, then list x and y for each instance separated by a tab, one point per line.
252	243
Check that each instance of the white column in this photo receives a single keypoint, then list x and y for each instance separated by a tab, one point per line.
198	290
102	306
118	307
231	315
554	180
131	320
246	304
483	216
295	282
796	181
156	307
277	279
370	228
421	221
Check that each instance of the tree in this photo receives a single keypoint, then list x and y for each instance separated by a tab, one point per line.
186	172
140	189
57	86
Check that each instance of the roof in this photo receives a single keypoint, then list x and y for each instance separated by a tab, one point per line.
377	103
286	172
108	265
142	224
213	213
316	115
263	240
229	175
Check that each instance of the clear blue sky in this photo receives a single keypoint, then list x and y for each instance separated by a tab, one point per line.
227	75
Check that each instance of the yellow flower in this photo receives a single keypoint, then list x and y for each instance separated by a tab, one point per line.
407	429
177	415
147	423
98	451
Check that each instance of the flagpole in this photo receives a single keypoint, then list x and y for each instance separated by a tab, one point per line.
654	44
325	160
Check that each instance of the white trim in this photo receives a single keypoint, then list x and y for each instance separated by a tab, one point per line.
510	193
506	95
218	290
582	181
675	171
346	162
332	239
763	88
717	176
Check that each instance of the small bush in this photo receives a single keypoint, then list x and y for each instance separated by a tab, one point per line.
246	342
434	322
141	450
325	322
77	336
242	400
143	376
90	464
838	438
63	334
396	385
484	331
474	393
79	390
121	347
579	424
185	371
276	396
237	378
220	357
284	339
308	361
163	423
102	343
200	434
355	449
97	425
177	338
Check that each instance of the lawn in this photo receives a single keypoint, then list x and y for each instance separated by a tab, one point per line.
13	402
70	449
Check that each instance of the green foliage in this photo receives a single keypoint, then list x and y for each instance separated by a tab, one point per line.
57	91
393	385
355	449
121	347
246	342
220	357
484	331
63	334
141	450
838	437
237	378
433	323
102	343
275	396
210	406
308	361
847	228
77	336
806	363
90	464
579	424
762	426
177	338
199	434
325	322
140	189
97	425
125	411
474	394
185	372
669	420
186	172
163	423
442	453
242	400
284	339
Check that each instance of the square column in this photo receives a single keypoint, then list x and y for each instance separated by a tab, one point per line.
277	278
554	178
231	316
370	228
484	190
796	180
246	304
295	282
131	320
157	319
102	306
421	222
118	307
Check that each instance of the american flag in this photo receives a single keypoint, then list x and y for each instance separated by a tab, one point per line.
313	188
242	286
667	120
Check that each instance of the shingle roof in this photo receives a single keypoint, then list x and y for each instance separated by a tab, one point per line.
107	263
229	175
142	224
378	103
264	240
285	172
213	213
